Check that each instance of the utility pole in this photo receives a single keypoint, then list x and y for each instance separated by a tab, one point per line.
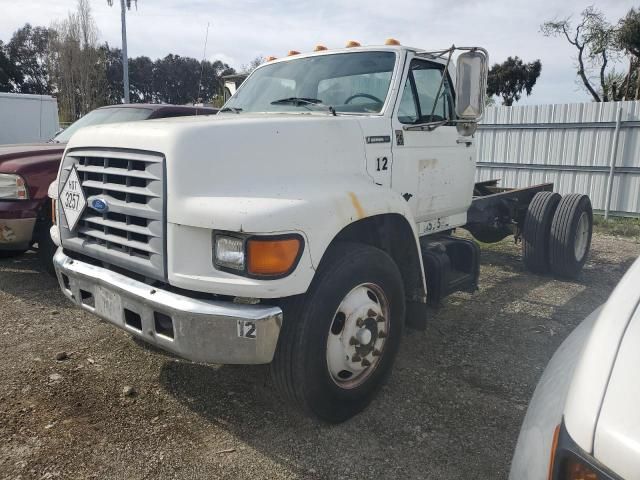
125	58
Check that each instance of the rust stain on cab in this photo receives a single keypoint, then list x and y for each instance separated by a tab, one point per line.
356	204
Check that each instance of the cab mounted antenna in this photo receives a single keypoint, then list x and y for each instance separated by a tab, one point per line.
204	56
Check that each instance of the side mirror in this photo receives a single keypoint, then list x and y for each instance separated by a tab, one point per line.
471	84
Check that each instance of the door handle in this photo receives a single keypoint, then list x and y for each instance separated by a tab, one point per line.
465	141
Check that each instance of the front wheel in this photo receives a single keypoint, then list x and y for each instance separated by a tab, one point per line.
46	248
339	340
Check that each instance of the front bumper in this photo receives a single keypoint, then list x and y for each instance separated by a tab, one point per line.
207	331
16	233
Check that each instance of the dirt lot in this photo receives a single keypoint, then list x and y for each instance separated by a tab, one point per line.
451	410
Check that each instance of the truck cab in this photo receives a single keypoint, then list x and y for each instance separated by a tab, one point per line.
293	228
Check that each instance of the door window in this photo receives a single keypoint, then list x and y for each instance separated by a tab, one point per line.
420	92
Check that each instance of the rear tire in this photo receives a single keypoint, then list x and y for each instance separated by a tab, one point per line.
536	231
571	232
315	365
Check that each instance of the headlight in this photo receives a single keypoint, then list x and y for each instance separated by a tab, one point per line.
229	252
12	187
258	256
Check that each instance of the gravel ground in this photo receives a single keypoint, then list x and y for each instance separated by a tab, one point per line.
115	409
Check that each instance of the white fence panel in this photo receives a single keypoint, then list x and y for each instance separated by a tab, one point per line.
569	145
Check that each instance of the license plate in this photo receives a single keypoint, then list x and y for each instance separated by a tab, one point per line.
72	199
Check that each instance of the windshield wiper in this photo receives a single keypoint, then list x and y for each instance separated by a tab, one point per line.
304	102
297	101
231	109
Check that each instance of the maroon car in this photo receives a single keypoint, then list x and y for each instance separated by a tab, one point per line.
27	170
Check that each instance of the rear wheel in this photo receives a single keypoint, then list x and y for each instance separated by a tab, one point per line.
536	231
339	340
571	232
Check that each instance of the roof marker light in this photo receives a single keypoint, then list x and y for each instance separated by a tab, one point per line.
320	48
391	41
293	52
270	58
352	43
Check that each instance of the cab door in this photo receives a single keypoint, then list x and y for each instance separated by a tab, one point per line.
433	168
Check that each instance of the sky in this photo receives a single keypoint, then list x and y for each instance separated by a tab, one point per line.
240	30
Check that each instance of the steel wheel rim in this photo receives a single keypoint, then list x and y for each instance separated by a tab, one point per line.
582	236
357	336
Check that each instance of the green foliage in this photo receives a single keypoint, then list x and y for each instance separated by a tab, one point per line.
10	75
512	77
28	52
620	226
85	75
628	39
628	33
172	79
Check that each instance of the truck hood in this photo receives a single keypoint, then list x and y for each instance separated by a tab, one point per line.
246	159
601	413
22	157
617	438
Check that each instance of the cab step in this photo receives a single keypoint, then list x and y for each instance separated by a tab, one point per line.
451	264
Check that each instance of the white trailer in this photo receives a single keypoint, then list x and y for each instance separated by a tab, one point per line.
27	118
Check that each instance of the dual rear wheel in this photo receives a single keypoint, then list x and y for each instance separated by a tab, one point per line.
556	236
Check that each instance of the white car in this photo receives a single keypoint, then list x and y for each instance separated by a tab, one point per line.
583	421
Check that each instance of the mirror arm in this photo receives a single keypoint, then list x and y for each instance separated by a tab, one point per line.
428	126
444	76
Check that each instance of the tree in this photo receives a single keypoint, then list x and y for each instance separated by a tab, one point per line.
252	65
125	58
28	51
176	78
141	75
112	59
79	64
510	78
628	39
615	85
10	73
594	39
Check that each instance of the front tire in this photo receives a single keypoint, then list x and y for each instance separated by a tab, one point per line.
46	249
339	340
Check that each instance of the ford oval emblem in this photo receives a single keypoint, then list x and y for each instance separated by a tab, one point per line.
100	205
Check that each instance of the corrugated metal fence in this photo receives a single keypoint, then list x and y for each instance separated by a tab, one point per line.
591	148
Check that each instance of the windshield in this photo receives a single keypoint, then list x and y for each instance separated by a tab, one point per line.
102	116
348	82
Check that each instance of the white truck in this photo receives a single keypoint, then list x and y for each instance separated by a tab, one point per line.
306	223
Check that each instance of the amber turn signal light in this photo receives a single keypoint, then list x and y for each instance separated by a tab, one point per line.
554	448
576	470
272	257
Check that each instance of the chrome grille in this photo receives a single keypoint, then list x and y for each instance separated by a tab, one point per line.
131	234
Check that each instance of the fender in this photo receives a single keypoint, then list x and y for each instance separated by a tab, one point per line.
319	216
